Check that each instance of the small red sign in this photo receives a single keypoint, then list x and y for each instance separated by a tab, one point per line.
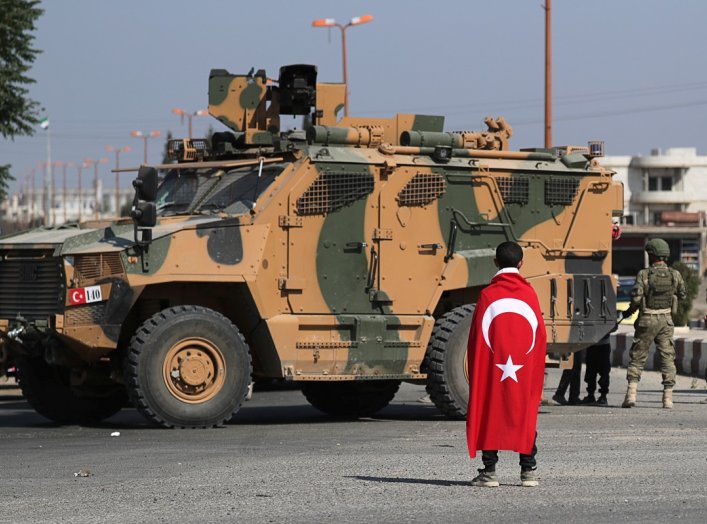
85	295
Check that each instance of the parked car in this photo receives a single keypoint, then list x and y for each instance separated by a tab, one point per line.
623	297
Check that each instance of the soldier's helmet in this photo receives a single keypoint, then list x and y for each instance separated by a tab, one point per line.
658	248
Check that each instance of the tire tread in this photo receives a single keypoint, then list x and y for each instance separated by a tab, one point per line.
138	344
437	387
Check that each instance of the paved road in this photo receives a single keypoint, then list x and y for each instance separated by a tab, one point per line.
281	461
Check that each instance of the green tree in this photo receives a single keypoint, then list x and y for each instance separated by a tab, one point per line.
692	284
19	114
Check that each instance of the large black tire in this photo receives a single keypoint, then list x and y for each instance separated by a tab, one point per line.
445	362
350	399
47	389
188	367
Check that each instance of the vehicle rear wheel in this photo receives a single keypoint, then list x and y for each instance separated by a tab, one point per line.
188	367
350	399
446	362
48	390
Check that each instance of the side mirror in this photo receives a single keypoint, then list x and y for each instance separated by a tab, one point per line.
144	214
146	183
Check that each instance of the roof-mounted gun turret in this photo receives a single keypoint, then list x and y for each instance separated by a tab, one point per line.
251	104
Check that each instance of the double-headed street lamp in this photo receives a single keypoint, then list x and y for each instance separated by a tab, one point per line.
117	151
145	136
330	22
185	114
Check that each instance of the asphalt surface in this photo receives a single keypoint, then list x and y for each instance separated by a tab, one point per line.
282	461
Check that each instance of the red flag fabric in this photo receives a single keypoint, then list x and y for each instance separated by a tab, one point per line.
506	356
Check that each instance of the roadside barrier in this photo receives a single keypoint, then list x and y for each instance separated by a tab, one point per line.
690	354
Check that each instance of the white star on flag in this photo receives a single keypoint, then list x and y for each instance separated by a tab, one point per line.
509	369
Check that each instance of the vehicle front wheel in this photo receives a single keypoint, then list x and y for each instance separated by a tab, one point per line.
188	367
48	389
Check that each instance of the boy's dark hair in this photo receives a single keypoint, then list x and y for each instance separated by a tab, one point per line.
508	254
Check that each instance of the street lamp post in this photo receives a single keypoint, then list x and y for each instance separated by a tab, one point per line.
330	22
89	161
30	197
48	167
63	187
61	164
117	151
145	136
184	114
80	166
49	218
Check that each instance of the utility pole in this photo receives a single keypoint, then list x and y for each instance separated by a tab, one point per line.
548	73
34	199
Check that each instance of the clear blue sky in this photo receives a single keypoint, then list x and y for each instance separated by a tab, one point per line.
630	72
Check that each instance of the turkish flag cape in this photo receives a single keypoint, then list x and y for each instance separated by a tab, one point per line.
506	354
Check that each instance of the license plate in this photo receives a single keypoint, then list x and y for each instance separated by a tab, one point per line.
85	295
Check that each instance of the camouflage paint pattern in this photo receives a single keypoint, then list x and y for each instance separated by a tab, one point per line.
649	329
342	266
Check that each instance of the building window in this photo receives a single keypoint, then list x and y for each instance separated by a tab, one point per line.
660	183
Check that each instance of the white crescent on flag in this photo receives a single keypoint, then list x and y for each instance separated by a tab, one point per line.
508	305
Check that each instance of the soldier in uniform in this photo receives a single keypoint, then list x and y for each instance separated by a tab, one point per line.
655	296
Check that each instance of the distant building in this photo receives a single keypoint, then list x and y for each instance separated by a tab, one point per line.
25	208
665	195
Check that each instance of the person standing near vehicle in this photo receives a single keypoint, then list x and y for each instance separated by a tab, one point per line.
570	378
506	355
598	360
655	296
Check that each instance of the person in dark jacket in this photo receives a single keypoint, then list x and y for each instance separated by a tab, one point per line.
598	362
570	378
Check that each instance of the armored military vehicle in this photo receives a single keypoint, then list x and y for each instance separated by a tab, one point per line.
346	257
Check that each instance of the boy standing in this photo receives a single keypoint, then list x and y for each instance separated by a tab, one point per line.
506	355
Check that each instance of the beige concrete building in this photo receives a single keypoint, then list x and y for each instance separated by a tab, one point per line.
665	195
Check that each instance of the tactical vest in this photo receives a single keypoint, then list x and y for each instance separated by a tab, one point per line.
661	287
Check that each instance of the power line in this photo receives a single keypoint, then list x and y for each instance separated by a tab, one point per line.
560	100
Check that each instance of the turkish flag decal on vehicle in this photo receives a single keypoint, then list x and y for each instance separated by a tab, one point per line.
85	295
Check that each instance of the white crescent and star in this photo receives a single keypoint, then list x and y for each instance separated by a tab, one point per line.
509	369
508	305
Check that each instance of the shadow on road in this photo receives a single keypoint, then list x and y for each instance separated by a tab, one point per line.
403	480
15	412
306	414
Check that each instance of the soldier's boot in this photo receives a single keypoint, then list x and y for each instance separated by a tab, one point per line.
667	399
630	399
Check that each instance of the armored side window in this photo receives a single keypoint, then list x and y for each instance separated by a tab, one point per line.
561	190
514	189
333	190
422	189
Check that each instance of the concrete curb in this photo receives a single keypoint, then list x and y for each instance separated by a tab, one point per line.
690	354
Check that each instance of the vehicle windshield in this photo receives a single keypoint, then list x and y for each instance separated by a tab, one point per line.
213	191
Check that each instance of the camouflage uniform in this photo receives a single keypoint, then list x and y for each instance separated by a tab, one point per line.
655	324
